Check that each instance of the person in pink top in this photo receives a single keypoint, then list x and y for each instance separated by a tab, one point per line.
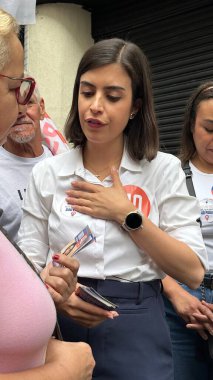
28	315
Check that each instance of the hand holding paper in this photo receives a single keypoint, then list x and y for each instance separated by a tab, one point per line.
88	294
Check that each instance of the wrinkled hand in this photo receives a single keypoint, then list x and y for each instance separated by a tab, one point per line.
61	281
85	313
100	202
203	322
70	360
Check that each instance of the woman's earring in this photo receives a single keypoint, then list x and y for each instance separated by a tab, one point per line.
132	115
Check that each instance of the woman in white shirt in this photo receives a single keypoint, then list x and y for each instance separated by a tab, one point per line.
134	200
186	309
28	314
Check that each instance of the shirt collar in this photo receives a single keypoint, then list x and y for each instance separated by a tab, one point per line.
128	163
72	163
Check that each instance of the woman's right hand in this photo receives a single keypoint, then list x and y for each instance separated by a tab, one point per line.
72	361
61	280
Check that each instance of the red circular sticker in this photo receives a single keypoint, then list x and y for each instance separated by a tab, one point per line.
139	198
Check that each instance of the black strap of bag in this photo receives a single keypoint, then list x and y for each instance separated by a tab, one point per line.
57	332
189	183
188	173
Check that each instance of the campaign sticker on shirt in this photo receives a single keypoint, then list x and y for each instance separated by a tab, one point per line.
67	209
206	210
139	198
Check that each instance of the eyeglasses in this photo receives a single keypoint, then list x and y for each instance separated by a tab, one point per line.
25	90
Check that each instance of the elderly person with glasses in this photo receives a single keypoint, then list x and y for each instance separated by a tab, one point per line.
28	313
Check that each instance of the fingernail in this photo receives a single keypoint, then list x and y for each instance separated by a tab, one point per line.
56	264
115	315
47	286
56	257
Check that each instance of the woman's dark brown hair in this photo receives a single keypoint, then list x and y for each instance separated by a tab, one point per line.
200	94
141	132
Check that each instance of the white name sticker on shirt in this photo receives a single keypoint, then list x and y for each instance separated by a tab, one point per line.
67	209
206	210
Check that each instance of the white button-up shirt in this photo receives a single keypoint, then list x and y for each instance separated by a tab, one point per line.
157	188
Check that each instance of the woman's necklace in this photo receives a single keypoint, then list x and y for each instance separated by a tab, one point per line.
104	172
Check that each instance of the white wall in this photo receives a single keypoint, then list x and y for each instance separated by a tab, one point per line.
53	49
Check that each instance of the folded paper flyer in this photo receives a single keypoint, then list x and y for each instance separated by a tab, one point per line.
80	241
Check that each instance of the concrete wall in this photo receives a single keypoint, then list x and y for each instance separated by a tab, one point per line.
53	49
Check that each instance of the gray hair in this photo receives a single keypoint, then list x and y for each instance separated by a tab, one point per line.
37	94
8	26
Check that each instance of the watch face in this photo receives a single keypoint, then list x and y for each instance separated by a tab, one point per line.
134	220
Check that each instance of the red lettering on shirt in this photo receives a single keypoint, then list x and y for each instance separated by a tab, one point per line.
139	198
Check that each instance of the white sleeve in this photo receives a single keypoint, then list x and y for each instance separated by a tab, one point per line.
179	211
33	236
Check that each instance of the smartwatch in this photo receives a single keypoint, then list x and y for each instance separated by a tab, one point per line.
133	221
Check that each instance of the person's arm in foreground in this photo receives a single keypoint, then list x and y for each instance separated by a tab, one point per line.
189	308
171	255
64	361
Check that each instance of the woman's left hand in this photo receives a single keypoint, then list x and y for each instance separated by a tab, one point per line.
85	313
100	202
61	280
